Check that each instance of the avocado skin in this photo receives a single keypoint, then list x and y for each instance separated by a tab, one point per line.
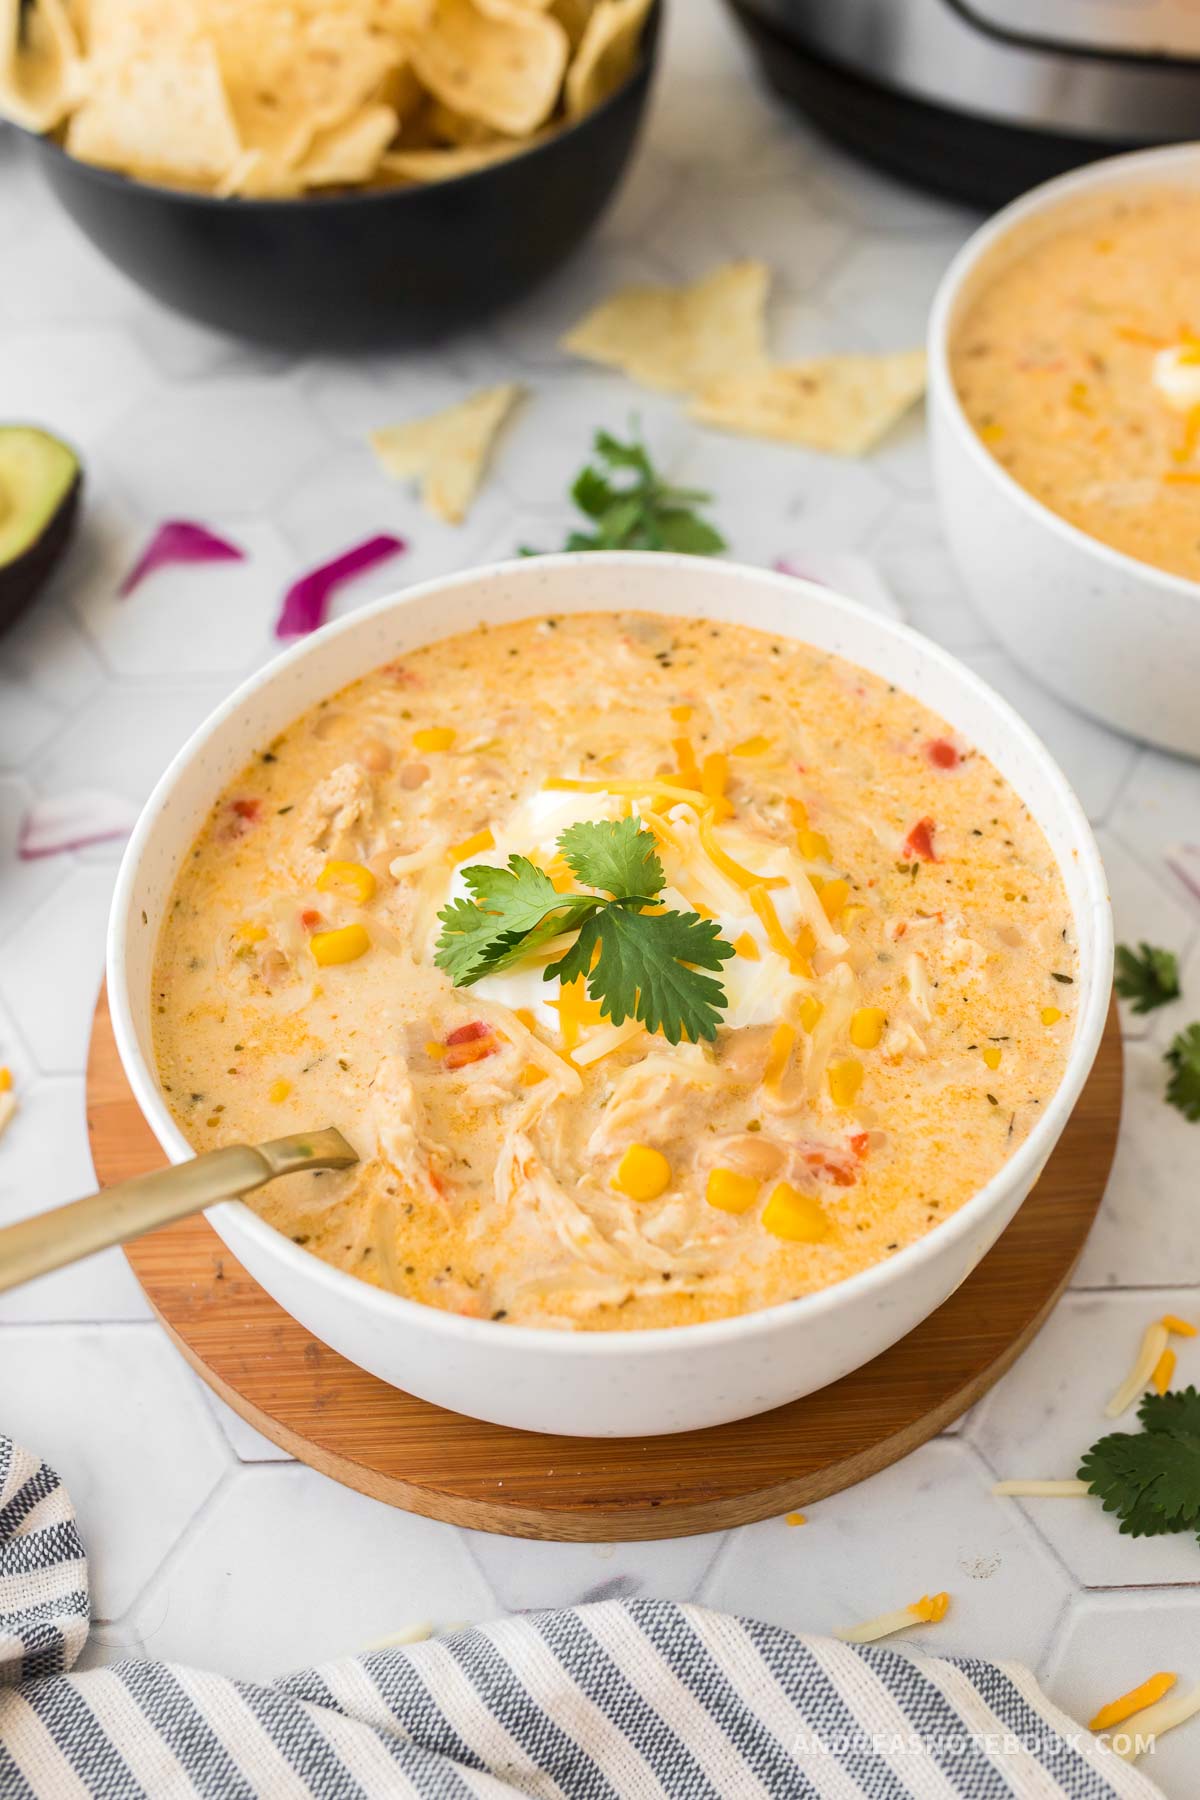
22	579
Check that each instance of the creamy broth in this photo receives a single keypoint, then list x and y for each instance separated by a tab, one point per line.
899	1009
1079	367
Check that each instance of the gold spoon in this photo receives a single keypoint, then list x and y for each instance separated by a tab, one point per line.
127	1210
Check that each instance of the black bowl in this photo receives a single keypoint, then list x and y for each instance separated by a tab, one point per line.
402	265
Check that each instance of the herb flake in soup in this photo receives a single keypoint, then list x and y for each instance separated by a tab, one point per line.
883	922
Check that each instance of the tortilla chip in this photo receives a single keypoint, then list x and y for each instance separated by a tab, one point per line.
493	60
573	16
399	167
40	69
351	151
449	450
456	129
607	54
681	339
843	404
162	115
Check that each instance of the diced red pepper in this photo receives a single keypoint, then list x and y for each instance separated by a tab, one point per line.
860	1143
310	918
466	1034
919	841
943	754
247	809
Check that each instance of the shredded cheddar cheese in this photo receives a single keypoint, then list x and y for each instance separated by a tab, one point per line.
1117	1711
928	1610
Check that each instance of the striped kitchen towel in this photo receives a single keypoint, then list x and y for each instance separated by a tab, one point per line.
616	1701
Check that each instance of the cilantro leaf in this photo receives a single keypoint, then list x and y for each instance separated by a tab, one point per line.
617	855
637	964
1183	1058
494	927
631	507
645	969
1151	1478
1149	977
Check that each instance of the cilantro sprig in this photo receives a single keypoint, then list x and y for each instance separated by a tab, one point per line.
637	963
1149	977
1183	1084
1151	1478
631	507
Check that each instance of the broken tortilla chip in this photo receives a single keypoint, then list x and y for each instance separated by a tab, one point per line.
400	166
161	116
842	404
449	451
681	339
607	53
349	152
40	74
493	60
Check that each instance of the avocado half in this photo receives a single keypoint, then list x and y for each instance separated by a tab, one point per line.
40	481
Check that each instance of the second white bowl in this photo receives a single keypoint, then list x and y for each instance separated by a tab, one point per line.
1114	636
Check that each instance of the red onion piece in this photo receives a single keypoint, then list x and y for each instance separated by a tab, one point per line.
307	600
1184	860
179	541
847	573
72	821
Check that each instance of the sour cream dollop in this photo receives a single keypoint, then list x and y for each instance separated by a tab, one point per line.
1176	376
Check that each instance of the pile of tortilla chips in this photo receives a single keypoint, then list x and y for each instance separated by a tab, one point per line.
708	340
278	98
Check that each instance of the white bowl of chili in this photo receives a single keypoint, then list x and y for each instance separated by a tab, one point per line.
1078	327
642	1381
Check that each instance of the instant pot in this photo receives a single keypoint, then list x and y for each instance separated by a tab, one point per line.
982	99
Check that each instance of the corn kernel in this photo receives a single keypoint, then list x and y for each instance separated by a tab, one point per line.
351	879
813	845
866	1027
279	1091
730	1192
748	947
799	814
681	714
341	946
991	1056
6	1081
1050	1015
433	737
845	1079
751	746
531	1075
472	846
809	1011
435	1050
795	1519
798	1217
642	1173
834	896
251	934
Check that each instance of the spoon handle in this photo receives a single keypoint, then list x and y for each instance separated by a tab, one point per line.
127	1210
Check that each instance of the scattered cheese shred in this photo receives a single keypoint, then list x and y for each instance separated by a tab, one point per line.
795	1519
733	871
8	1110
1134	1701
779	1055
1164	1368
1042	1490
777	937
1154	1342
925	1611
1181	1327
1154	1720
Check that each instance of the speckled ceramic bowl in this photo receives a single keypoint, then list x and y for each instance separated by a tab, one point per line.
633	1383
1115	636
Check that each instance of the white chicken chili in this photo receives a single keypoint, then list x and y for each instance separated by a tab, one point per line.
659	970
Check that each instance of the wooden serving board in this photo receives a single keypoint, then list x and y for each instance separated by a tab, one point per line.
349	1425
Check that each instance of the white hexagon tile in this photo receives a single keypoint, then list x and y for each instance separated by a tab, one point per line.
207	1543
